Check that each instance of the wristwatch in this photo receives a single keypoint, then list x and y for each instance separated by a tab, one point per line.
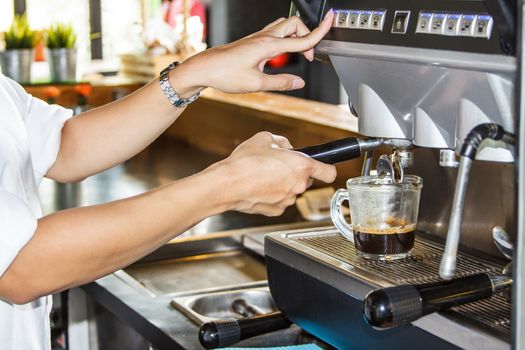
168	90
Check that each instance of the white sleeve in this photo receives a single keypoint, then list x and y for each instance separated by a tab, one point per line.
44	125
17	226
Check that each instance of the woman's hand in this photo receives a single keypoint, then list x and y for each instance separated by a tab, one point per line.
264	176
238	67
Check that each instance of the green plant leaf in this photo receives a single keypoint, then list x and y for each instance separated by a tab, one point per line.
20	35
61	35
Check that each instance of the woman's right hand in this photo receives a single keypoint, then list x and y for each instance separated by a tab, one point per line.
238	67
264	176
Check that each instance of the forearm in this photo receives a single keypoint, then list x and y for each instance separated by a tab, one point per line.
103	137
79	245
106	136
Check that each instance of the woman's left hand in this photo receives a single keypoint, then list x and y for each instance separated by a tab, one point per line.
238	67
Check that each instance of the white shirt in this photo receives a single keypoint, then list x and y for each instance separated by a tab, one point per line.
30	132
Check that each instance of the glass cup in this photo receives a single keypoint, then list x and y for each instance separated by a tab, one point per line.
383	213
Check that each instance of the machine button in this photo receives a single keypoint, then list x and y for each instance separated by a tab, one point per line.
466	25
401	19
423	22
452	24
377	21
365	19
342	19
437	25
482	26
353	19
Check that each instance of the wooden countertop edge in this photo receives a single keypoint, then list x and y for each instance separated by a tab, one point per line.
292	107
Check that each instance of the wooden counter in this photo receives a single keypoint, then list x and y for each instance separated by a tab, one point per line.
103	90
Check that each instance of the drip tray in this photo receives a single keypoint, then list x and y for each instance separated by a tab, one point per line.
328	246
197	272
206	306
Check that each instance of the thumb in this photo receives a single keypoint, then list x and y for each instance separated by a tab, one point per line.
324	172
281	82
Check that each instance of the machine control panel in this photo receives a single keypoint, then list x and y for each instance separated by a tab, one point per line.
475	26
449	24
360	19
455	24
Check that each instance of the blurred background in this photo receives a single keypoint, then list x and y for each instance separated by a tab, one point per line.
114	36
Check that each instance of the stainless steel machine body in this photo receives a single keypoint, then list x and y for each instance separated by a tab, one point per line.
428	72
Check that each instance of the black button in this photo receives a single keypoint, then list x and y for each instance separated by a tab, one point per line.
400	22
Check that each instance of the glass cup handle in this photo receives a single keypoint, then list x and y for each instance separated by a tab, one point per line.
336	212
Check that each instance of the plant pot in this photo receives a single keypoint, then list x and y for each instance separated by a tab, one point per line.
63	64
16	64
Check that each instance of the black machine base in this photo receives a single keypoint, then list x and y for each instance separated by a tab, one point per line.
336	317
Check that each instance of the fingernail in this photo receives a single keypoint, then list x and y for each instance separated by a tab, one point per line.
297	83
329	11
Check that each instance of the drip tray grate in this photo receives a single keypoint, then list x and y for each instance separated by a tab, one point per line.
421	267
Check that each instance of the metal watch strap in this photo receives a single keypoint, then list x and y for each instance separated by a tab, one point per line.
168	90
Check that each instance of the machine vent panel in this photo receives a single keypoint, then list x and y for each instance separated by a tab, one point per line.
421	267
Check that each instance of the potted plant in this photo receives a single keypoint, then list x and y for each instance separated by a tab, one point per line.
62	53
17	57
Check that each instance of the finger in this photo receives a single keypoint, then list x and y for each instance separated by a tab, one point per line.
324	172
282	141
309	55
306	42
296	29
293	27
264	137
310	183
267	209
280	82
285	203
290	26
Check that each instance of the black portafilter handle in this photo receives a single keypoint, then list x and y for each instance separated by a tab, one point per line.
340	150
221	333
396	306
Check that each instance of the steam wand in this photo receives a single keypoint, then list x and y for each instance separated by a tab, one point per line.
447	269
352	147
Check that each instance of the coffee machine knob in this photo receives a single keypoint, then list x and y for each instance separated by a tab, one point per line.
391	307
396	306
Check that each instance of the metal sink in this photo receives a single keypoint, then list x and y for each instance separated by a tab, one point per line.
195	265
202	307
198	272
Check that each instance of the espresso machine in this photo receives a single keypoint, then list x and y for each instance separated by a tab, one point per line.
438	83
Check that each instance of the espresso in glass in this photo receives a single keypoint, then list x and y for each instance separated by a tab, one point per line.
384	215
388	241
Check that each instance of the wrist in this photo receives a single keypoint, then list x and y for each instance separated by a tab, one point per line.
225	185
183	81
